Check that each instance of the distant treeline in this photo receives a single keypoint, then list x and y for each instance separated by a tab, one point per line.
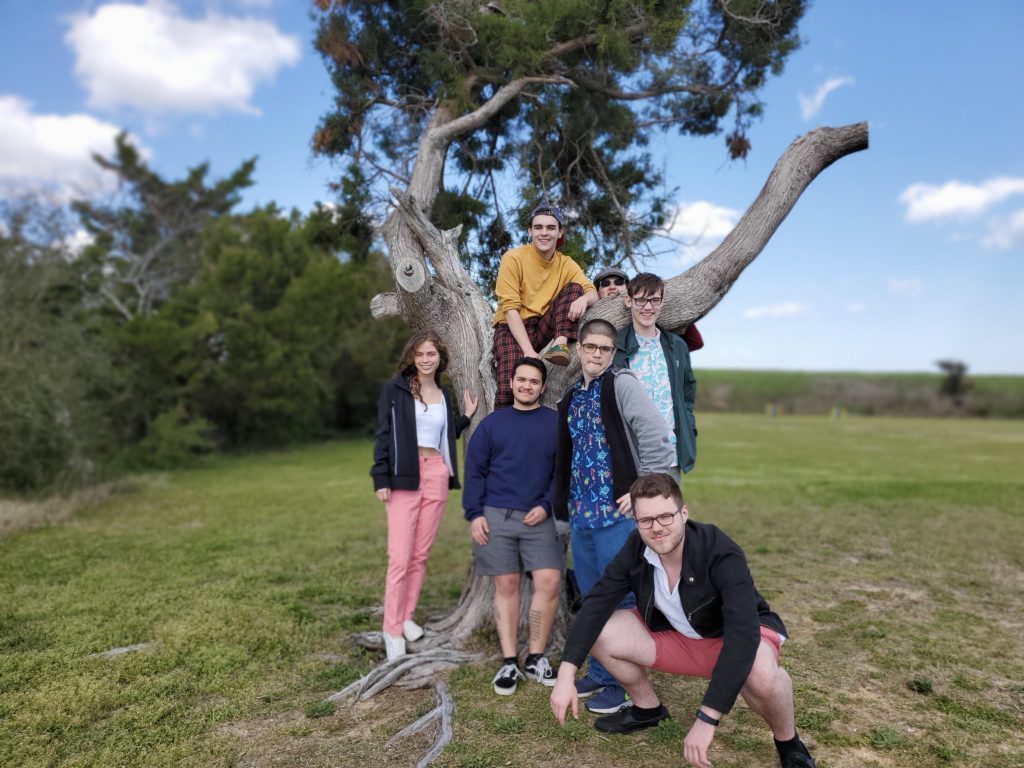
868	394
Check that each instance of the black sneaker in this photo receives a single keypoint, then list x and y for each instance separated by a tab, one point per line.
624	722
507	680
798	760
541	671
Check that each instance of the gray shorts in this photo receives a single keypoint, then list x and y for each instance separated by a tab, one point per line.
513	547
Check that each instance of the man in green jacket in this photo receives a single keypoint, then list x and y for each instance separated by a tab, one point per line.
661	362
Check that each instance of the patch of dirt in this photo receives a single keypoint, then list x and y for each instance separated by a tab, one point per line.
352	736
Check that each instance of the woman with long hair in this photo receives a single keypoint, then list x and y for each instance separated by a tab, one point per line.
414	466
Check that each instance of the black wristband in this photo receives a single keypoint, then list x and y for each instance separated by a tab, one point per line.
702	715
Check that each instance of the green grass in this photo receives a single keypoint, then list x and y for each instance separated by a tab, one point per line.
891	548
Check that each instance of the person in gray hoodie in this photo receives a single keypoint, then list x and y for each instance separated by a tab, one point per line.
609	433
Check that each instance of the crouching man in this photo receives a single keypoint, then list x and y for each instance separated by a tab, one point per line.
698	614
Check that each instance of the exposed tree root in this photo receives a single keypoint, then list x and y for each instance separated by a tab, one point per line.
443	714
417	670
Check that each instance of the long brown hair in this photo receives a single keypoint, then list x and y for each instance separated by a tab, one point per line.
407	366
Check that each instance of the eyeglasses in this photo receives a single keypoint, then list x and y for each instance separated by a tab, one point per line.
655	302
592	348
664	520
609	281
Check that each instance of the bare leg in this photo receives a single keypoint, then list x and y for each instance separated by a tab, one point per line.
769	692
543	606
624	647
506	612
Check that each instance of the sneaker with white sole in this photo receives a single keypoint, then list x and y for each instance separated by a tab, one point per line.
541	671
611	699
394	646
507	680
411	631
587	687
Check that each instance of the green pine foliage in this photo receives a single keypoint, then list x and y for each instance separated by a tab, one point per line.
605	79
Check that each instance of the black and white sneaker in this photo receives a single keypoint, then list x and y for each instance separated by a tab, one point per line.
507	680
541	671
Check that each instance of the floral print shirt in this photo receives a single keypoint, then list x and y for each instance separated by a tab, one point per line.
591	502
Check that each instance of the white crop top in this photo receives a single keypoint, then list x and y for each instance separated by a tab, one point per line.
430	423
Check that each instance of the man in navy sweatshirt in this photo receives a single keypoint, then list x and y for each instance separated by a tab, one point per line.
507	500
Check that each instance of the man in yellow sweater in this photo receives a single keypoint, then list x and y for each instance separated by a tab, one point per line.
542	293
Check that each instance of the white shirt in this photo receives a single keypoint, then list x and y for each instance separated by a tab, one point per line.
430	424
666	597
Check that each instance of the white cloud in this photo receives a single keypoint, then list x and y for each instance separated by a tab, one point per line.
78	241
154	59
785	309
1005	232
52	154
910	287
855	308
955	199
701	226
810	106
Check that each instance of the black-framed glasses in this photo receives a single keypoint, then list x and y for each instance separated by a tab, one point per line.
655	302
592	348
609	281
664	520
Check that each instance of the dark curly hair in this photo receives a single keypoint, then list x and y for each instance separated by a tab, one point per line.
407	366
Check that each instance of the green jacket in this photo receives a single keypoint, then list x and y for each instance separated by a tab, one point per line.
684	387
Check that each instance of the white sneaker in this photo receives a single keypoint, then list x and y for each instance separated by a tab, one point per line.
411	630
394	646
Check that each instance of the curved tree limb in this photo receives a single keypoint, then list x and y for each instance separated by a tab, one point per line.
692	294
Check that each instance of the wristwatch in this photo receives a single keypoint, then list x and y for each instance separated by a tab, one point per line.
702	715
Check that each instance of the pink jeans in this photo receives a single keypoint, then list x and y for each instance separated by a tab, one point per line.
413	519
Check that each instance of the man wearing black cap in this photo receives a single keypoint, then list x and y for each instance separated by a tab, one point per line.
611	281
541	294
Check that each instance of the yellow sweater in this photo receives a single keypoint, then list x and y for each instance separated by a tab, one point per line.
529	283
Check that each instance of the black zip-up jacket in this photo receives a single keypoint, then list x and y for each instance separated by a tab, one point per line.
718	596
396	463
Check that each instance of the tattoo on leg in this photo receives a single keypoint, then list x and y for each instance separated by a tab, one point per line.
535	621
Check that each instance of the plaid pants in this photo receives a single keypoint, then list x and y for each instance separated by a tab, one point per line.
552	324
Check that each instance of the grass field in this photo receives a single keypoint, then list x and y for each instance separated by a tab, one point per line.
892	549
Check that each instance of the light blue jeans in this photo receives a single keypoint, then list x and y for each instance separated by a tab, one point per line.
592	550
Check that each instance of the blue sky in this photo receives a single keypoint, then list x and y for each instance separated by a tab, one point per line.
894	258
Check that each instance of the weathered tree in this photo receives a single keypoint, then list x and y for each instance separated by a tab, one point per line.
441	105
146	239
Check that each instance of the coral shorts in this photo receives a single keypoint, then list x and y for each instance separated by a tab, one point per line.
678	654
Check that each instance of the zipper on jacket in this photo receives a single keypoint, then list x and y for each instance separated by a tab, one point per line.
647	610
706	603
394	436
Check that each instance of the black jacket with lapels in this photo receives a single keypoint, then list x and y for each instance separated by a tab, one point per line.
717	594
396	463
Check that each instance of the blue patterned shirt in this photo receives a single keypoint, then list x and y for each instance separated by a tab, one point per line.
591	501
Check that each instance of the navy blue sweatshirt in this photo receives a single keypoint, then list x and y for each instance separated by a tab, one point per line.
510	461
